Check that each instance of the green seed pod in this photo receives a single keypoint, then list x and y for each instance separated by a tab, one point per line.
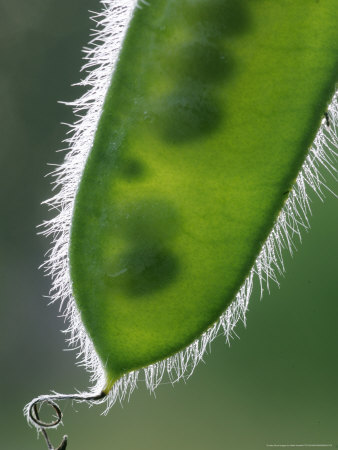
189	172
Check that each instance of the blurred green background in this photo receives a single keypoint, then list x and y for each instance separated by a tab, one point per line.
277	384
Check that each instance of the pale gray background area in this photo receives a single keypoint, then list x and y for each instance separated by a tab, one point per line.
276	384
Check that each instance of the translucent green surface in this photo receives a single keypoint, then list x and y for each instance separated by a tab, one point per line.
209	116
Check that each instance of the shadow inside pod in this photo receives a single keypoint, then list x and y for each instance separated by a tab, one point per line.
149	269
197	68
147	263
188	113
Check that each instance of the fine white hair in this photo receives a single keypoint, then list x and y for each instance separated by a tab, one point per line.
100	60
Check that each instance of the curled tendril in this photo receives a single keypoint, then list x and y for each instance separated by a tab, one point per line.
32	413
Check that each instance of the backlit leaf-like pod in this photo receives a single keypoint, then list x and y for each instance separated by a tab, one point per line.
187	176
